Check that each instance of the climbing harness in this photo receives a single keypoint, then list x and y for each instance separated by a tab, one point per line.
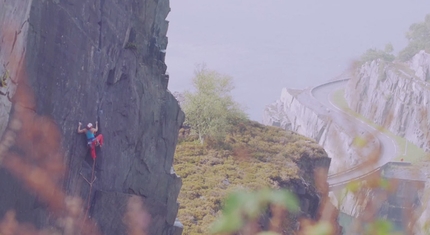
90	142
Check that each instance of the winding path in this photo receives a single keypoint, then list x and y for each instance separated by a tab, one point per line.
388	148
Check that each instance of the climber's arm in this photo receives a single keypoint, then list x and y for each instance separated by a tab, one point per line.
97	127
79	128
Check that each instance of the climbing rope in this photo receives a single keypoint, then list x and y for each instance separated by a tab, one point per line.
90	182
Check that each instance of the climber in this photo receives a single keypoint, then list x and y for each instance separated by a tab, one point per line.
92	140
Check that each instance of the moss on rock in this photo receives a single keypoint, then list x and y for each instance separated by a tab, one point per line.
251	156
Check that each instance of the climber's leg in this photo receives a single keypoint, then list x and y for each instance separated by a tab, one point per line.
99	140
93	150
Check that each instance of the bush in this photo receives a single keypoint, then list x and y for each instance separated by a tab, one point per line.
419	39
211	110
251	156
374	54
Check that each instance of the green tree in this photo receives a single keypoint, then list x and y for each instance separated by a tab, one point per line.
389	48
210	110
419	39
373	54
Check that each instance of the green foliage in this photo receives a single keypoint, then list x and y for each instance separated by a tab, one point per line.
419	39
320	228
249	157
374	54
354	186
389	48
229	183
268	233
380	227
211	110
243	205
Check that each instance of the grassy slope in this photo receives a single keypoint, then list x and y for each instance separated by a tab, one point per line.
250	157
413	153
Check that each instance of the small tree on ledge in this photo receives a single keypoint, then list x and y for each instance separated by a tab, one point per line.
374	54
210	110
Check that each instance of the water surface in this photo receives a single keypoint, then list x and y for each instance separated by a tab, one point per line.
267	45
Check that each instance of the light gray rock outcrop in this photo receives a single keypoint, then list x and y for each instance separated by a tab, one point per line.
308	117
420	63
13	16
395	96
274	115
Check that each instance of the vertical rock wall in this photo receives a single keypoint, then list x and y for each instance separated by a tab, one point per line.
395	96
306	116
13	36
103	61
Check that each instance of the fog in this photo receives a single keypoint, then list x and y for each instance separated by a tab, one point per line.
269	44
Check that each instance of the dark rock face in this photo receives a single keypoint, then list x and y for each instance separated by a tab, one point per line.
103	61
311	188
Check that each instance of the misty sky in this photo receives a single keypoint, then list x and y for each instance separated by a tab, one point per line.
269	44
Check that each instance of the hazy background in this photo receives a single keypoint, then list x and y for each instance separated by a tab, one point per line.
269	44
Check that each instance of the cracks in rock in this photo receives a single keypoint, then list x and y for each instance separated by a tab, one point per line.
100	35
112	79
127	175
18	33
320	133
131	191
146	7
74	20
146	165
327	128
130	174
64	119
111	76
138	152
32	109
99	106
22	26
166	160
100	111
14	41
102	3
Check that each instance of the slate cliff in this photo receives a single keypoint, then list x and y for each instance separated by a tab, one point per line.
395	95
299	111
99	61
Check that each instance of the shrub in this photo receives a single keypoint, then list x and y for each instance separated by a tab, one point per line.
211	110
419	39
251	156
374	54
